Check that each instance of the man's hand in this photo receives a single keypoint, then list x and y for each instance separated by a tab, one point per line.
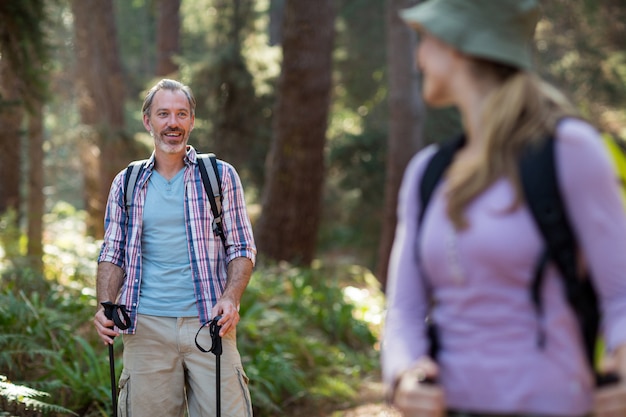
104	327
226	308
239	271
109	280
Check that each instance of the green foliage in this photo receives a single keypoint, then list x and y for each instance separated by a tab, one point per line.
18	399
23	43
233	117
300	338
581	49
353	203
46	338
40	343
9	235
84	372
305	335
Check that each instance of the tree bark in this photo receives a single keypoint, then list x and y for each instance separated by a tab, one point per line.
11	117
100	86
277	13
405	114
35	188
167	36
287	229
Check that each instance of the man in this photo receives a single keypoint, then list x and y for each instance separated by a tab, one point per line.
161	259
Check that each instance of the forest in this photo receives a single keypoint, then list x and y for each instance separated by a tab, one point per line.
317	105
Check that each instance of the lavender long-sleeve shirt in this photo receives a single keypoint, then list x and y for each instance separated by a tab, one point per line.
480	279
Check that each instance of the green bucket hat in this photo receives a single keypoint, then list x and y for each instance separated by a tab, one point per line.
498	30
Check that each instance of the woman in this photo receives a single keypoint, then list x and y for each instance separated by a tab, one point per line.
469	262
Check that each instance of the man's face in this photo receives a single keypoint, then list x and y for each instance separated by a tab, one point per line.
170	121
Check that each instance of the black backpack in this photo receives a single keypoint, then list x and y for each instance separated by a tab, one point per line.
540	186
210	180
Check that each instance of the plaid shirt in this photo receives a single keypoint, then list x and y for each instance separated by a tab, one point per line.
122	237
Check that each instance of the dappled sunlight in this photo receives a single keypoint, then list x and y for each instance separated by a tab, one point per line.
70	257
366	302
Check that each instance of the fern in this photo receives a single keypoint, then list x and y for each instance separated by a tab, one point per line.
30	398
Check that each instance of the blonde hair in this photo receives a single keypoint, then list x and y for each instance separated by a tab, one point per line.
523	110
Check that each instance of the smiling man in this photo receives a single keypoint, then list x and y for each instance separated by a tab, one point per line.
161	259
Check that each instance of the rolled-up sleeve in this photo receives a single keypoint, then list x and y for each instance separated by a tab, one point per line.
113	246
237	227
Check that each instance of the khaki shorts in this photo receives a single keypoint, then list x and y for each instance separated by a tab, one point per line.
165	373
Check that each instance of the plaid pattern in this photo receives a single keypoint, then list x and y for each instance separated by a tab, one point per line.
123	229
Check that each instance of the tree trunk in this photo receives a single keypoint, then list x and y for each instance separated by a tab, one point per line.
277	13
167	36
35	188
405	114
100	87
236	101
11	116
287	229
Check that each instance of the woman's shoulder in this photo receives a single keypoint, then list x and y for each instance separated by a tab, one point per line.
576	131
579	143
422	157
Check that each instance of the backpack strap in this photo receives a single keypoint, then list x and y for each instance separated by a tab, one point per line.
132	173
431	177
434	171
539	180
213	188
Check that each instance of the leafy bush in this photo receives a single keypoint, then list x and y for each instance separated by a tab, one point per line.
300	340
41	346
20	400
304	336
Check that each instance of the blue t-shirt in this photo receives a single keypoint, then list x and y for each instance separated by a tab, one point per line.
166	282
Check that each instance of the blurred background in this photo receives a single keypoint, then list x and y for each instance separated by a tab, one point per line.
317	105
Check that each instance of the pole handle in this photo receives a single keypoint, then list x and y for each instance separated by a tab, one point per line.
113	312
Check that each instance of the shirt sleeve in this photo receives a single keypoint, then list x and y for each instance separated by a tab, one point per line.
404	338
237	227
113	249
591	192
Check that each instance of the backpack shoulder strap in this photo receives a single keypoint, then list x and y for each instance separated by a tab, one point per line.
538	177
434	171
132	173
213	188
540	185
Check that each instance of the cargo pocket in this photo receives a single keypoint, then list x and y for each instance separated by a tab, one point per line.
243	384
123	407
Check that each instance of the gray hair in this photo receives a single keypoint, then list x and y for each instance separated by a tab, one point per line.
172	85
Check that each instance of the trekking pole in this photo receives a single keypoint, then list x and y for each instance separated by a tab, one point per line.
111	312
216	349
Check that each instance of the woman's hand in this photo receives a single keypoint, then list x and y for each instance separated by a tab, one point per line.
417	393
610	400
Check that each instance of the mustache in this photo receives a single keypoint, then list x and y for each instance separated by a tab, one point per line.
170	130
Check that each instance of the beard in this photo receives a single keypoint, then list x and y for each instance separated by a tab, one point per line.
171	145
